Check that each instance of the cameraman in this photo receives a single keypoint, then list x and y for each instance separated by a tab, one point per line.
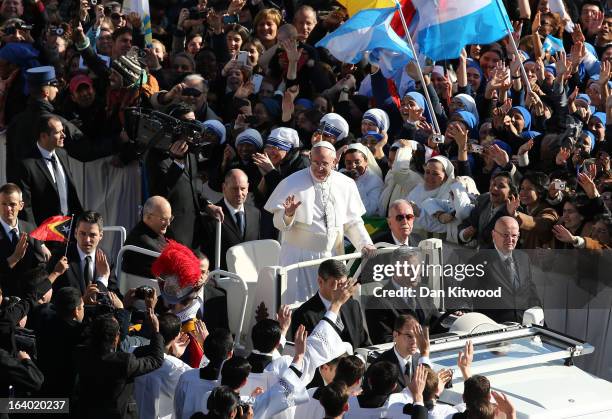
173	174
369	181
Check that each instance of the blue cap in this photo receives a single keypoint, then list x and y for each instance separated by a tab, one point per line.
41	76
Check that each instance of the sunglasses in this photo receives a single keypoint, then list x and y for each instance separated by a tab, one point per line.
400	217
117	16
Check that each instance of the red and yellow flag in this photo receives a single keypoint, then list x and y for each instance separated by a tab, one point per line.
353	6
55	228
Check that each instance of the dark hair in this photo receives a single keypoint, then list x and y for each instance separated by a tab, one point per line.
234	372
511	185
350	369
333	398
382	377
90	217
540	182
217	346
43	126
66	300
199	254
402	319
265	335
120	31
332	268
9	188
104	331
221	402
169	326
477	394
591	3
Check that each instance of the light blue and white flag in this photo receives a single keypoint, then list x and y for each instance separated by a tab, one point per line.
444	27
552	45
368	34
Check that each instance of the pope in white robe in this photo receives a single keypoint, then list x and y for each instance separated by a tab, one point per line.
314	209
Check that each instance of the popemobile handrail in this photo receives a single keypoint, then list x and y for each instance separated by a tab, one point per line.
222	275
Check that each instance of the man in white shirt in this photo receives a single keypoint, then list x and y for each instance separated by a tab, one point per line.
154	392
88	269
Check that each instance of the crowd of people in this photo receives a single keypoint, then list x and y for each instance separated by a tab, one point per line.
253	126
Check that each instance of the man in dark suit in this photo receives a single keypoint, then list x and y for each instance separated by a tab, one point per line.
173	175
381	310
331	275
44	177
507	270
87	264
489	208
400	222
58	331
106	376
148	234
411	348
240	220
22	132
18	251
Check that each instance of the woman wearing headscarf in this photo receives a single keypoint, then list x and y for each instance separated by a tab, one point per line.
439	200
415	115
464	102
401	179
281	157
361	166
377	121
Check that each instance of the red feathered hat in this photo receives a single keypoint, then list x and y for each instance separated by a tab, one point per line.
180	270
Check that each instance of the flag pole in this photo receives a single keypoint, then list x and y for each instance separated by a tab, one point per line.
436	127
514	47
69	234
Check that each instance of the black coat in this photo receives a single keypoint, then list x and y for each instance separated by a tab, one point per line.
513	303
22	134
389	356
178	186
11	279
56	341
40	191
312	311
381	313
215	307
24	375
230	234
483	204
74	277
106	382
142	236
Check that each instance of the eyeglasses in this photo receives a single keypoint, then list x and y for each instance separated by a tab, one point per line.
507	235
400	217
117	16
163	219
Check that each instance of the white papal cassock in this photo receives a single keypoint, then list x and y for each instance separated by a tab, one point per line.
330	210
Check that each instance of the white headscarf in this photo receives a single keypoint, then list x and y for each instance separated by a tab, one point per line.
372	165
400	180
419	194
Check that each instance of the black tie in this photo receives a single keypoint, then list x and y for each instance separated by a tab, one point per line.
14	238
61	186
240	222
408	370
87	273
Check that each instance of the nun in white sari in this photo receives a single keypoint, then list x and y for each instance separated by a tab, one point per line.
440	202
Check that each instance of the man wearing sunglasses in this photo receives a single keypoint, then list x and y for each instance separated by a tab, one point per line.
401	221
193	90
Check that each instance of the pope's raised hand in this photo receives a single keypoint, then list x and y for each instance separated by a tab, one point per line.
291	205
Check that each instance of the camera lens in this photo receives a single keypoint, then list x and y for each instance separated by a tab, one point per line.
93	2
